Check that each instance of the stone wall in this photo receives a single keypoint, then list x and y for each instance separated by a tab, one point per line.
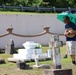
29	24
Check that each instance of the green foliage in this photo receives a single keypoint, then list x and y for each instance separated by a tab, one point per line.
34	2
44	3
61	3
21	2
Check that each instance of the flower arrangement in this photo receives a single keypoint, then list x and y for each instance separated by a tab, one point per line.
39	46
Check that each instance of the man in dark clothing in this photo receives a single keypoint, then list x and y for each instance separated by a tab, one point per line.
70	33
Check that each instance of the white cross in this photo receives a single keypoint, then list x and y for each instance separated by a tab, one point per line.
36	57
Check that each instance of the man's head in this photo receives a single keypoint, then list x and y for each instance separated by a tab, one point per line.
66	19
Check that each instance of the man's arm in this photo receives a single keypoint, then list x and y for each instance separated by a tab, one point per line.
66	32
73	32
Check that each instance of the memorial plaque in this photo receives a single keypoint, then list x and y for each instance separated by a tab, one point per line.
58	72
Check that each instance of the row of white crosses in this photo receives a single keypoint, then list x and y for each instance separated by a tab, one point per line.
55	45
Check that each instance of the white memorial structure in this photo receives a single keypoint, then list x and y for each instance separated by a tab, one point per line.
28	53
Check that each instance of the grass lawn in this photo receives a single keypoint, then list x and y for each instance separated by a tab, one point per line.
11	68
9	12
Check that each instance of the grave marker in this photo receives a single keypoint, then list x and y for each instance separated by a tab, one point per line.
9	49
36	58
55	46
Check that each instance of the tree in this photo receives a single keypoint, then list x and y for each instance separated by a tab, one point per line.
21	2
34	2
61	3
44	3
50	2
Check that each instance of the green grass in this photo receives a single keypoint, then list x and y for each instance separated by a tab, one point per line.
11	68
9	12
